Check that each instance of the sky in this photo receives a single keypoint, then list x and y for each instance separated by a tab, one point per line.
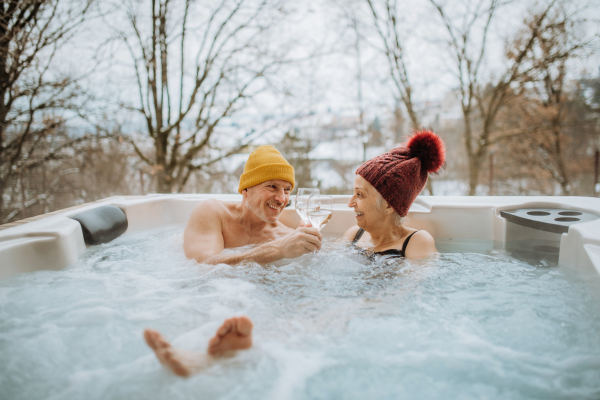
317	37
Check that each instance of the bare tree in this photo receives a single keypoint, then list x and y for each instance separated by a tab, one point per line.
385	20
552	124
384	17
90	170
194	64
359	87
482	99
33	94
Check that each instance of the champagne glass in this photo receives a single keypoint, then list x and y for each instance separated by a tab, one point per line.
302	196
320	209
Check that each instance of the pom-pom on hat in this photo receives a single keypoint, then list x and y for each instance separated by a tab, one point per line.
400	174
265	164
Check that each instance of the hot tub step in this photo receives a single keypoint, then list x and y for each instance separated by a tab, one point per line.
553	220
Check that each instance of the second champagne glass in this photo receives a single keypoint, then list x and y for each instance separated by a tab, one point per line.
320	209
302	196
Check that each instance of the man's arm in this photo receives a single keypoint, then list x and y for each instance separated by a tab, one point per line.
301	241
203	240
203	235
263	254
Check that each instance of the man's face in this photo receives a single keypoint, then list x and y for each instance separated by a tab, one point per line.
268	199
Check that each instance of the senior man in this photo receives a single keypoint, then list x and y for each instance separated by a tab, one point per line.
214	226
266	184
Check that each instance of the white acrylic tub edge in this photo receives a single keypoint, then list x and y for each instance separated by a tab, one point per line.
57	241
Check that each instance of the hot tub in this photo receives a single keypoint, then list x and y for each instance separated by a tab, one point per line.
507	311
57	241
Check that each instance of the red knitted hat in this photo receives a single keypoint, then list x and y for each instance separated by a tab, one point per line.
400	174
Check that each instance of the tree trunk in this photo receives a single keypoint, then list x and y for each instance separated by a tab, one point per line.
474	167
562	168
23	198
476	161
414	119
472	155
164	182
2	187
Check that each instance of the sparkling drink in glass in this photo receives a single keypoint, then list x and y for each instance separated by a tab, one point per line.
302	196
320	210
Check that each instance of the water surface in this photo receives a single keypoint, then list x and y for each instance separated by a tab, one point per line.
328	325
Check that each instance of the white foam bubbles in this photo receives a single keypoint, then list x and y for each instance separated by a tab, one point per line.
329	324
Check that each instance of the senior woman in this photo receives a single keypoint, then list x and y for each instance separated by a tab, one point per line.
384	189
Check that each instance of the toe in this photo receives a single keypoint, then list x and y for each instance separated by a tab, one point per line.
155	340
150	337
226	327
244	326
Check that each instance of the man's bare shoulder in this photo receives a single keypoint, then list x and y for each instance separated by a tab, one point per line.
211	206
211	210
203	237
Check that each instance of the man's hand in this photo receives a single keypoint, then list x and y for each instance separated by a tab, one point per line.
303	240
303	224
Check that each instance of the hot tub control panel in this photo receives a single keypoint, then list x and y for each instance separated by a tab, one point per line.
553	220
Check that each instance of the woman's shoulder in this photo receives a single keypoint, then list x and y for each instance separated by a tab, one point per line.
421	245
351	233
421	236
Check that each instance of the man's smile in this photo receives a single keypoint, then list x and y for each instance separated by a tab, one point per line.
275	207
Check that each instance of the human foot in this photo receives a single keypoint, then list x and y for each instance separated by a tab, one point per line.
234	334
176	360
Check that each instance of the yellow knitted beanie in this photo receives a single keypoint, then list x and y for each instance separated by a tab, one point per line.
265	164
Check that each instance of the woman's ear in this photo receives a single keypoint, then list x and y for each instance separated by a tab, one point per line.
388	209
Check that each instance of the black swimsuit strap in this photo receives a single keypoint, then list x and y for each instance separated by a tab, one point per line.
358	235
406	243
401	253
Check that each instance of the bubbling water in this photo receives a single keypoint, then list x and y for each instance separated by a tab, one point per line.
330	324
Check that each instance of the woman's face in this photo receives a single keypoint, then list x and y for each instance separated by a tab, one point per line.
364	202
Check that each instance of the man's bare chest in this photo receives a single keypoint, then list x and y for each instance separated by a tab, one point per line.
239	236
